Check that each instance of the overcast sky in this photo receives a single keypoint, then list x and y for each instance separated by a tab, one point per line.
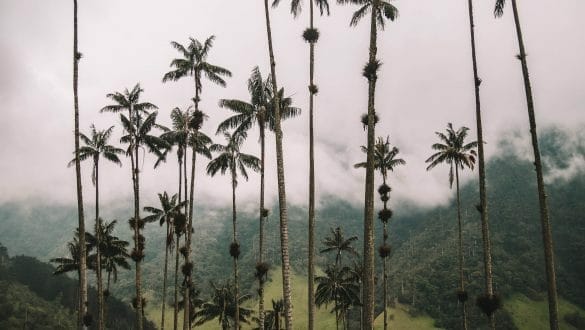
425	82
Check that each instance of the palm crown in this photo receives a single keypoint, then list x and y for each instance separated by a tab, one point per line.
167	212
194	63
128	100
338	243
222	306
383	10
260	110
231	158
297	5
97	146
384	157
453	151
113	250
139	134
499	8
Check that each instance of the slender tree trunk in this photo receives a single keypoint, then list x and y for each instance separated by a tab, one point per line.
336	315
80	215
286	286
106	299
177	239
261	254
460	254
311	271
176	309
369	267
384	264
385	291
189	279
485	232
139	244
108	285
99	244
235	257
544	215
164	300
78	299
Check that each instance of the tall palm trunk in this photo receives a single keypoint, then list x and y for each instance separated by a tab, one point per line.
235	256
336	312
99	243
138	242
485	232
262	213
80	215
189	275
385	265
106	298
460	255
177	239
164	296
544	217
286	287
78	302
369	290
311	271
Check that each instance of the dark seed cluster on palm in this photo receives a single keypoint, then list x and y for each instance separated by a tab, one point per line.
311	35
488	304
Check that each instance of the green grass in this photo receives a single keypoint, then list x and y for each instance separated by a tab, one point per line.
400	319
273	290
324	320
533	315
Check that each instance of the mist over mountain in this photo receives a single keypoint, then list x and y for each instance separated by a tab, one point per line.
423	239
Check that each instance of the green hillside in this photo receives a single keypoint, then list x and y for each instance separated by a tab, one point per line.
532	315
422	277
31	297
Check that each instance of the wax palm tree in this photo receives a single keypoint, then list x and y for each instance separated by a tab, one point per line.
231	159
194	63
549	257
223	306
95	147
195	303
311	35
457	154
286	287
72	263
273	317
166	214
337	243
113	254
488	298
135	126
80	214
379	10
178	136
384	160
259	111
338	287
199	143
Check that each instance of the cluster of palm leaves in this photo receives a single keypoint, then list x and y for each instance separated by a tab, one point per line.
340	285
110	250
267	107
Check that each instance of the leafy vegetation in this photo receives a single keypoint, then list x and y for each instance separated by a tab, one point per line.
29	292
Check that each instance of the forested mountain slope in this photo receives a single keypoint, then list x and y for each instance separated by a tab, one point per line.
423	262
